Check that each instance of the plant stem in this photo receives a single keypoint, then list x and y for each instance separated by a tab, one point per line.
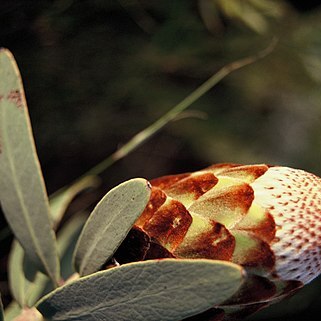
175	111
148	132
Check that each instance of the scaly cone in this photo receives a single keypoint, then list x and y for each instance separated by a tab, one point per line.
266	218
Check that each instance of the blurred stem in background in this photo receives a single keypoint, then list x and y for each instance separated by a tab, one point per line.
175	111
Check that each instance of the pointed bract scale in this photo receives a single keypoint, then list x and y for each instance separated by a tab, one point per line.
169	224
226	205
190	188
247	173
215	242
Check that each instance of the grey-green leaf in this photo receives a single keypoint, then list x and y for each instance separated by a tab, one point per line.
109	223
12	311
67	238
17	280
22	191
27	292
157	290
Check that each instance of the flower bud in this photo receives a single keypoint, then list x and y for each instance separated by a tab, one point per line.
265	218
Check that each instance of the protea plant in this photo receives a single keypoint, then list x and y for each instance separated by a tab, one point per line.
216	244
265	218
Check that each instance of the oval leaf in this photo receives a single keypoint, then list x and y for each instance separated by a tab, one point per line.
109	224
155	290
22	191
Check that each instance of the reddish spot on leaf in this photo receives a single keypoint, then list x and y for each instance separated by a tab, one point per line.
216	244
169	224
15	96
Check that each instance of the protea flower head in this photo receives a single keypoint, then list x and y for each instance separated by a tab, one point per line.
265	218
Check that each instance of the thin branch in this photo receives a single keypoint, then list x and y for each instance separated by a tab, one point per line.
148	132
174	112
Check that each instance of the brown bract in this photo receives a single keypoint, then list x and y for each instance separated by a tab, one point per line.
267	219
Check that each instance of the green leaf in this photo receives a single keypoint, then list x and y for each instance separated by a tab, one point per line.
154	290
12	311
22	191
27	292
66	242
62	198
25	281
29	314
1	310
17	280
67	239
109	223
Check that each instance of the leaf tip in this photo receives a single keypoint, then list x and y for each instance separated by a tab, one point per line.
6	52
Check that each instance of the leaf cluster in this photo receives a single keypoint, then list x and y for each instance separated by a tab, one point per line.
40	274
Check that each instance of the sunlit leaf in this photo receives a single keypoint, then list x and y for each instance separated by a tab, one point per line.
12	311
109	224
67	238
22	190
16	274
29	314
154	290
26	283
27	292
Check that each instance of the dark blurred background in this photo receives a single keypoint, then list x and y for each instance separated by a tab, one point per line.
96	72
